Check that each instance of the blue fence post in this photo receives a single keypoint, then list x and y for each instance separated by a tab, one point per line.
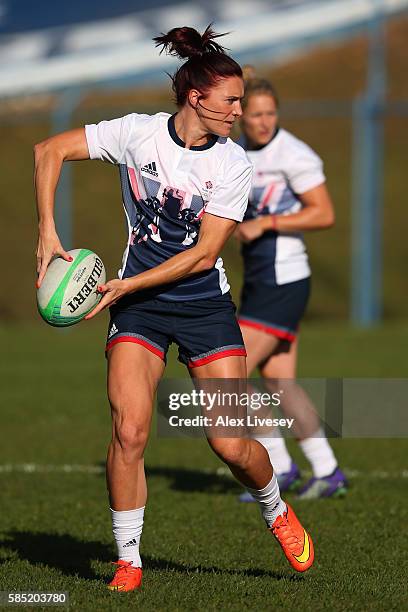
359	291
367	200
61	121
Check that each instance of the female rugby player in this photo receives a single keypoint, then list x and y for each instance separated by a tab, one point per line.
185	185
288	196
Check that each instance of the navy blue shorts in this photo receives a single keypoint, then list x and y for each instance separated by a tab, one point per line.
275	310
204	330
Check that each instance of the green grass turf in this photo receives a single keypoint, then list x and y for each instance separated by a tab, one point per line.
202	550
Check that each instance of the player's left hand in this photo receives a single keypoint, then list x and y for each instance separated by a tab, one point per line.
113	291
250	230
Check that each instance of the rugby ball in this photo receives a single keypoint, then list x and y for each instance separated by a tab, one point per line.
69	289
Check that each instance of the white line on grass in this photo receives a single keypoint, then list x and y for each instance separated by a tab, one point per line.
350	473
73	468
65	468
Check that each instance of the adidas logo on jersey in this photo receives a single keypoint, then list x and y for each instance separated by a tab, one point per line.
131	543
150	169
113	330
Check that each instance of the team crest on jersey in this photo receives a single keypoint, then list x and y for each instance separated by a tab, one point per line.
206	191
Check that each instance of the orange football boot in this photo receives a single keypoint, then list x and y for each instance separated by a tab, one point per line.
296	543
126	578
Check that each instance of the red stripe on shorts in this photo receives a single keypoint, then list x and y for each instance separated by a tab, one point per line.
279	333
231	352
149	347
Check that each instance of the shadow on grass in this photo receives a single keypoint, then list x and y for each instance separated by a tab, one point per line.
72	557
191	480
67	554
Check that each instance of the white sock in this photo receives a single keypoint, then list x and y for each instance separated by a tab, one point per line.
127	528
277	451
269	501
318	452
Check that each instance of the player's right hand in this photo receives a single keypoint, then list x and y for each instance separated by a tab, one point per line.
49	246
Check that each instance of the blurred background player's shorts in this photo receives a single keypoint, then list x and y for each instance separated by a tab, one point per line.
274	310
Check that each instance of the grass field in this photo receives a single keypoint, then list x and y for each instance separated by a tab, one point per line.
202	550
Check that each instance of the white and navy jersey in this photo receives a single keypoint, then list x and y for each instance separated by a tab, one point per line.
166	189
283	169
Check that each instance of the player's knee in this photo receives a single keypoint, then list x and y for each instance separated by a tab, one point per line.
132	437
234	452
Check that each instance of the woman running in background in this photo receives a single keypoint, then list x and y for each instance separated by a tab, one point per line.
288	196
185	186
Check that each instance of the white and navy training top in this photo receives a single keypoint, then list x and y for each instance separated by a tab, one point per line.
283	169
166	189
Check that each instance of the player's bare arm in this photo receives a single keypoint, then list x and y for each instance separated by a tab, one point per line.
317	213
214	233
49	156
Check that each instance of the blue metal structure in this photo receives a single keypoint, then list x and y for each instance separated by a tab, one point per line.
367	202
60	122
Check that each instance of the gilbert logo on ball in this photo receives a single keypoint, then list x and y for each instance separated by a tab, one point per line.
69	289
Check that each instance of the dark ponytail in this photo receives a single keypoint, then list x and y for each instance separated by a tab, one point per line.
187	42
207	61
